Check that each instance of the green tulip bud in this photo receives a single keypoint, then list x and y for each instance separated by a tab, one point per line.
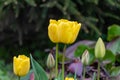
85	58
50	61
99	49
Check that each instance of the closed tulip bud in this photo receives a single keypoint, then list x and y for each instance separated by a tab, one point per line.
85	58
63	31
21	65
50	61
99	49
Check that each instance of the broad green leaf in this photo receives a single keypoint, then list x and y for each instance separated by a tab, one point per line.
39	72
79	51
113	31
31	2
114	46
115	71
109	56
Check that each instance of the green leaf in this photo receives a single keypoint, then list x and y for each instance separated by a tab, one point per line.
109	56
115	46
31	2
115	71
79	51
39	72
113	32
118	58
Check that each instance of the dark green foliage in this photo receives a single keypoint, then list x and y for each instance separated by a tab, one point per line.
23	23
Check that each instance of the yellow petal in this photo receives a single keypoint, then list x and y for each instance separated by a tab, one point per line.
15	65
76	29
69	78
65	32
24	67
53	33
52	21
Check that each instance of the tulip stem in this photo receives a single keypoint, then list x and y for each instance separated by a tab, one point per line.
50	74
18	77
98	74
84	70
56	64
63	60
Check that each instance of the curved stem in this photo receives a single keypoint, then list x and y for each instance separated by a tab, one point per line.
63	60
84	70
56	64
98	74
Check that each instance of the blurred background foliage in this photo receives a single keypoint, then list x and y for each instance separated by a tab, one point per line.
23	23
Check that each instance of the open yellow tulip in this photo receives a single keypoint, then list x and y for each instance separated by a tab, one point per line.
63	31
21	65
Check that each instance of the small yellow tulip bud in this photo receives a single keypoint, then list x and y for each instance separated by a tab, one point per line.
21	65
99	49
50	61
85	58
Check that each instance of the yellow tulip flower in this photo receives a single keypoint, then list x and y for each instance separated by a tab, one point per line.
21	65
69	78
63	31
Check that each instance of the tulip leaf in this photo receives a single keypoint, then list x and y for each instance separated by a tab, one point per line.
80	49
109	56
113	32
115	71
39	72
114	46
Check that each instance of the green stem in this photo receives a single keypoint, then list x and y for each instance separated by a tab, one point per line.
51	74
98	74
63	60
18	77
84	70
56	64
